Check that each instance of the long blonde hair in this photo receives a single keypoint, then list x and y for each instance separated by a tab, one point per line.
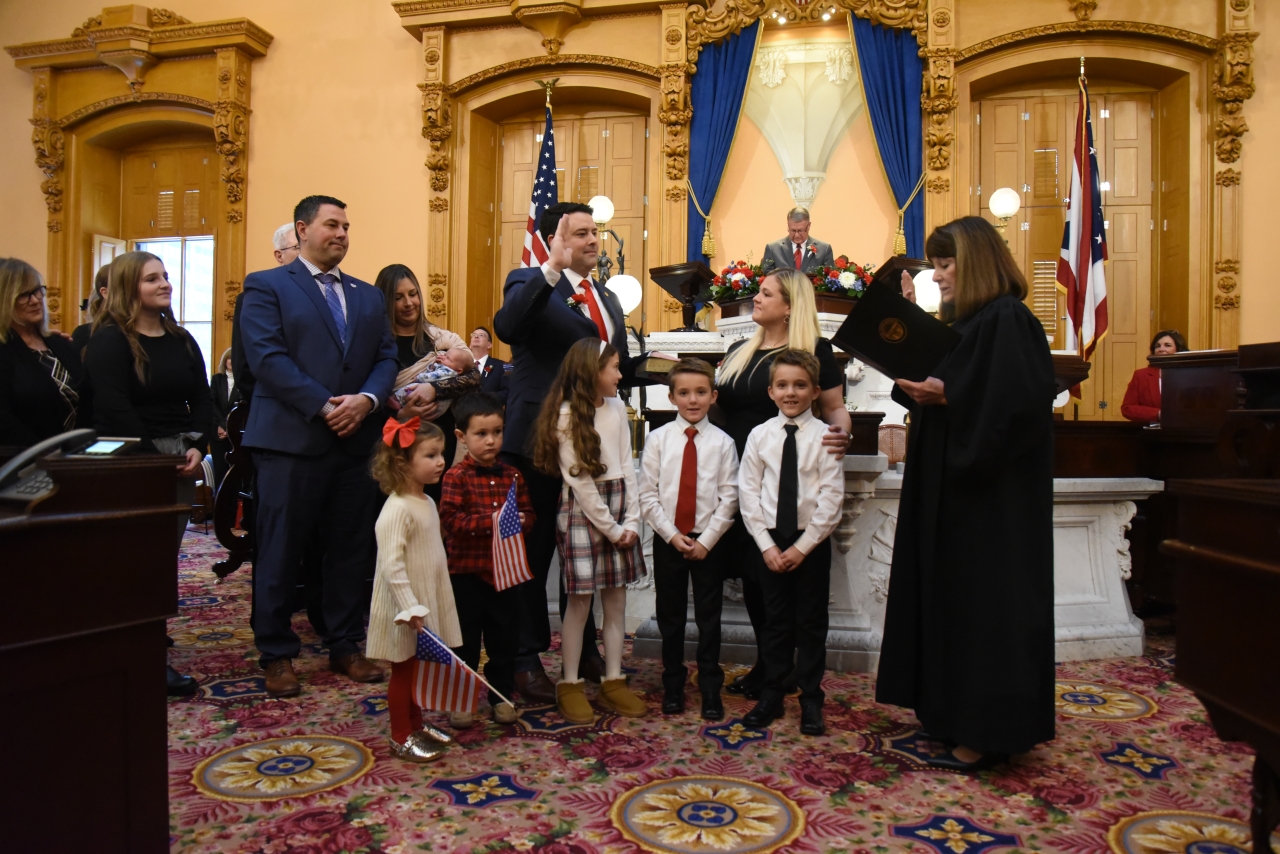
803	331
123	308
577	384
17	276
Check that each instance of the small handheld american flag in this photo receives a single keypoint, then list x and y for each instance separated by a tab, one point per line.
510	563
441	681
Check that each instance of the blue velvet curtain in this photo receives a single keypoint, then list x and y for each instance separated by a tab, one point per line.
892	73
716	97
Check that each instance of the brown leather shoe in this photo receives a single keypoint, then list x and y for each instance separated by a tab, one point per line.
357	668
535	688
281	681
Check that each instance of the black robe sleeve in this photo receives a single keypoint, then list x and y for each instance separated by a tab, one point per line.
999	384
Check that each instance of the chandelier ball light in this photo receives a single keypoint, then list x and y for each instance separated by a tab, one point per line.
602	209
628	290
1005	202
928	296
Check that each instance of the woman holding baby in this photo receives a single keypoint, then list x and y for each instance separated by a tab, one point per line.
425	348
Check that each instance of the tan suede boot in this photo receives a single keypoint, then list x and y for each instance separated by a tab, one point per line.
615	694
571	699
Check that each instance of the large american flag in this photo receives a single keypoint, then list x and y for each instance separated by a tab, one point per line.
441	681
1084	243
510	564
544	194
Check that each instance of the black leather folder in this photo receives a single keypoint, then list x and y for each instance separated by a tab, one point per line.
895	336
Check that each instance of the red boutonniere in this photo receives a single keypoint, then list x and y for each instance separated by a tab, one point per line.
576	302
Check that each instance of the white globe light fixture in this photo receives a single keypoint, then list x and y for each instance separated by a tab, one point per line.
1005	202
928	296
602	209
628	290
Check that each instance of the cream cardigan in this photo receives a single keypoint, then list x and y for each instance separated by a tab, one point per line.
412	580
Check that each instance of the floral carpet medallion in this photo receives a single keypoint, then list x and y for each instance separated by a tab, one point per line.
483	790
213	637
1144	763
696	814
374	704
244	688
955	834
1101	702
733	734
282	768
1183	832
313	774
545	722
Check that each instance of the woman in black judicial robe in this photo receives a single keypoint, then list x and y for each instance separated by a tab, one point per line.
968	638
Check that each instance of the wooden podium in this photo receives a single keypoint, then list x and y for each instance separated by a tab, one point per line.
684	282
91	577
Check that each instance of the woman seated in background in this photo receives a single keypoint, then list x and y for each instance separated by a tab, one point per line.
1142	398
40	374
80	335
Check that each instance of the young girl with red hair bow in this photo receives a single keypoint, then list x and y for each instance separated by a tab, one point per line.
411	588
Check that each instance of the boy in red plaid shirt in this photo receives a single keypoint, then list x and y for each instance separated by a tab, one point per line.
472	493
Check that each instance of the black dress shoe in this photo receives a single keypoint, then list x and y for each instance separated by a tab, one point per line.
673	702
179	685
591	668
950	762
712	707
811	722
766	712
748	685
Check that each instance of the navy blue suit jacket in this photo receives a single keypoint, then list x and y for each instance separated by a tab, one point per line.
299	361
494	377
540	327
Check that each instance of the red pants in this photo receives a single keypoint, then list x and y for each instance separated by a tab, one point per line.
406	717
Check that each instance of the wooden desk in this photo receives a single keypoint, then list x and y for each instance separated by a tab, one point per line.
1228	577
91	577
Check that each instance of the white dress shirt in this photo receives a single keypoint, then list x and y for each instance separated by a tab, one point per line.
717	492
820	481
615	452
576	282
480	363
316	272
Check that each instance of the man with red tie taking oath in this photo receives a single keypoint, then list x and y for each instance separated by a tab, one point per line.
798	251
545	311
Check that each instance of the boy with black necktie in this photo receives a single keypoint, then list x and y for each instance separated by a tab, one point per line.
790	493
688	495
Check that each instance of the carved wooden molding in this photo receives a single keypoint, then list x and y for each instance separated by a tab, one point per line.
1073	28
50	155
1083	9
1227	178
417	7
135	98
242	31
1232	86
939	103
555	61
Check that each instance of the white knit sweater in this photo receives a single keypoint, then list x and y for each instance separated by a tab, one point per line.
412	580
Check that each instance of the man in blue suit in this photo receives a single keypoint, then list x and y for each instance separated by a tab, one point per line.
319	344
536	320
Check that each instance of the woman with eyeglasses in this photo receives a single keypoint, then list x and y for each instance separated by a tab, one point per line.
40	373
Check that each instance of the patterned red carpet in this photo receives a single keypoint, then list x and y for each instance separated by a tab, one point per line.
1135	768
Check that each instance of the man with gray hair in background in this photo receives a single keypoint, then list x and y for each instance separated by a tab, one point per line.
285	244
798	251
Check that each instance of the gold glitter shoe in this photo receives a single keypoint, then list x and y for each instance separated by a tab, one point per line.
417	748
434	734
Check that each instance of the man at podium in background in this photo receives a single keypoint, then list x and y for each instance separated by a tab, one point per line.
798	251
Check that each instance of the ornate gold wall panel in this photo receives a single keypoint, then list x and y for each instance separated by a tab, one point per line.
140	43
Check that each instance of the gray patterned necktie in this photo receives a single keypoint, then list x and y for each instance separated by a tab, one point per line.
331	284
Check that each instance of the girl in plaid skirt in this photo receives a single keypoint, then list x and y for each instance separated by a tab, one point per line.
582	435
